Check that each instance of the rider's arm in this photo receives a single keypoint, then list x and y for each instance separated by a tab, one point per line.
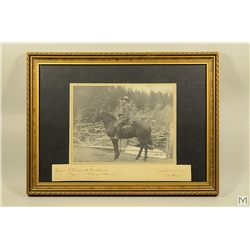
127	111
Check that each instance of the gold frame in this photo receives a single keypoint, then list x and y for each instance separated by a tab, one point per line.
209	187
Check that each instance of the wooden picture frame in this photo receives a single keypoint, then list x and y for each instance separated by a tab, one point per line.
60	87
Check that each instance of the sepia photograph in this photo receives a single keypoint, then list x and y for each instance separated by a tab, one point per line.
125	122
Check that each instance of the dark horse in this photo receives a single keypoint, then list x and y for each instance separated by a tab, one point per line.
137	129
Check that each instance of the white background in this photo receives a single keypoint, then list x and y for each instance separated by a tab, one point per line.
124	21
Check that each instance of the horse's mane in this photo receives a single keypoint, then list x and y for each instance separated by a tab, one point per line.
109	115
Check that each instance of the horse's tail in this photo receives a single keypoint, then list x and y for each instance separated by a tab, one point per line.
150	137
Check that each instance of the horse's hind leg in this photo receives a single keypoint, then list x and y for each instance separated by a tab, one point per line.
139	154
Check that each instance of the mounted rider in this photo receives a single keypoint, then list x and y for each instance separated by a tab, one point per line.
124	115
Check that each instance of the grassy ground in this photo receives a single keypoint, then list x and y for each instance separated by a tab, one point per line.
84	154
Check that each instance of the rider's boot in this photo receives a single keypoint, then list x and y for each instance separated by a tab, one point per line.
116	132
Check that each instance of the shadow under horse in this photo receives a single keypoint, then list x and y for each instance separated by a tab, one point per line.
137	129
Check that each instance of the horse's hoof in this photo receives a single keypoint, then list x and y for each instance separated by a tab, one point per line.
137	158
145	159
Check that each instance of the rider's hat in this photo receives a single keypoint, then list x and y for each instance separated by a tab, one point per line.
125	98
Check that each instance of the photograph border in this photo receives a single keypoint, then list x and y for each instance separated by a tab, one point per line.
208	187
71	106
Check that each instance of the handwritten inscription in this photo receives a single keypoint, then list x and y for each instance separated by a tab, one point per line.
173	172
84	172
122	172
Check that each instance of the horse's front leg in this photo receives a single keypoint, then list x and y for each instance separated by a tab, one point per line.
116	150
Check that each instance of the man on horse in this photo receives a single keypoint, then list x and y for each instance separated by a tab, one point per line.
124	115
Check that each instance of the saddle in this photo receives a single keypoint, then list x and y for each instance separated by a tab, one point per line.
128	125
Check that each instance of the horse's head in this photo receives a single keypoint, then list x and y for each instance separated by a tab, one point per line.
98	115
106	117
